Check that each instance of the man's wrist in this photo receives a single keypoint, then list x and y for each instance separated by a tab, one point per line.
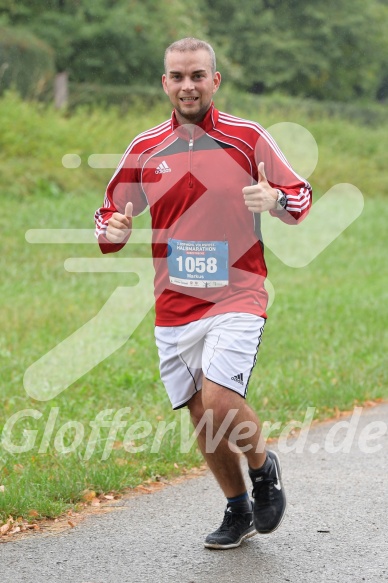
281	200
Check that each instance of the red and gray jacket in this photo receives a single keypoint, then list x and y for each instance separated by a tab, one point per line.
191	178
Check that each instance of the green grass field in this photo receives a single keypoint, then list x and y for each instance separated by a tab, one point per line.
325	340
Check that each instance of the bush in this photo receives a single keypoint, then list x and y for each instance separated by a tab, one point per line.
26	63
123	96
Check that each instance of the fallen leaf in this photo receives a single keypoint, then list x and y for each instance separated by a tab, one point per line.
5	528
141	488
293	424
88	495
33	513
2	488
71	523
95	502
156	485
108	497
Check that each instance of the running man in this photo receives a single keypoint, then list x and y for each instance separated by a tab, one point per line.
206	177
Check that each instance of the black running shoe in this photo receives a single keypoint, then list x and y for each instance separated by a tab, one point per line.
235	528
269	499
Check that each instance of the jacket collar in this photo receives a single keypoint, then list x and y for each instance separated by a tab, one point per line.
207	124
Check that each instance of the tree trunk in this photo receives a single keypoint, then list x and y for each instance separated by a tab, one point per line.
61	90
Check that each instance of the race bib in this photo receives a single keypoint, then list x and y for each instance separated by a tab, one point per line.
198	263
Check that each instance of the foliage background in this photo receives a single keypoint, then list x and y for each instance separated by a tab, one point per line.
326	49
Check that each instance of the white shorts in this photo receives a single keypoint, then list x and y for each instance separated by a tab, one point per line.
222	348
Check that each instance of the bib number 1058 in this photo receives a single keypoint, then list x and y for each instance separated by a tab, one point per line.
197	264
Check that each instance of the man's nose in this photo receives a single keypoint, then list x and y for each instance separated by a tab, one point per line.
188	84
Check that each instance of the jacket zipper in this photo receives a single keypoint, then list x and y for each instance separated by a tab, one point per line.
191	144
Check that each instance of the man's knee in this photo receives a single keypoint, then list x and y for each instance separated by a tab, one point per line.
196	408
220	400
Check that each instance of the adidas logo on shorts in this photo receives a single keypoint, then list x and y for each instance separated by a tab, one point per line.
238	378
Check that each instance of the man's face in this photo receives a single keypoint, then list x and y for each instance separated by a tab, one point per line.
190	84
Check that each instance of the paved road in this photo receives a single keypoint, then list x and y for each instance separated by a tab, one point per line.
335	529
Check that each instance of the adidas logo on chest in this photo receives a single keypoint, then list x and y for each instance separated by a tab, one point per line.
162	168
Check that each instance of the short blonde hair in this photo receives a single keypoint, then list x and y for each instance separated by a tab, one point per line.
191	44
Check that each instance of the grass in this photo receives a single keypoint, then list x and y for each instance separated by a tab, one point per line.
324	341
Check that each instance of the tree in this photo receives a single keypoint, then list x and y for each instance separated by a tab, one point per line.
327	49
107	41
26	63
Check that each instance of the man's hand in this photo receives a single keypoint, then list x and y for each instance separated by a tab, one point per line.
120	226
260	197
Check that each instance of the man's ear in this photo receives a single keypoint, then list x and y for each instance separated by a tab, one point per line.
164	83
216	81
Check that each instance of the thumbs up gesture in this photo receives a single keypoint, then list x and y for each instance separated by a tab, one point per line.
261	196
120	225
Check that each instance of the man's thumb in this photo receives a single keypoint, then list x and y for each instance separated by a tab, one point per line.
128	210
262	177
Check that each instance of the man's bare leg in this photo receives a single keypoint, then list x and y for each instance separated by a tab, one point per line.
224	462
243	429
